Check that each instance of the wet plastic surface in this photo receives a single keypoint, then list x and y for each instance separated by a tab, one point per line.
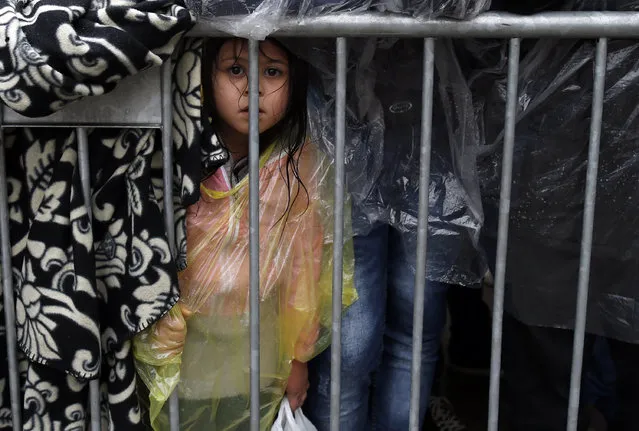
202	347
259	18
549	173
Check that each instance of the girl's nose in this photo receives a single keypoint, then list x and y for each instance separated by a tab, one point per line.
260	93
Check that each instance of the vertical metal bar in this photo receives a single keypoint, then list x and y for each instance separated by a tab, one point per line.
502	236
7	290
254	234
167	180
85	179
167	153
83	162
338	231
422	229
587	231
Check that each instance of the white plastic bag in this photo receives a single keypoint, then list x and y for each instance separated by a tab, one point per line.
287	421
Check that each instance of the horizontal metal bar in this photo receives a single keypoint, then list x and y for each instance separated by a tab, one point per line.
493	25
136	102
85	125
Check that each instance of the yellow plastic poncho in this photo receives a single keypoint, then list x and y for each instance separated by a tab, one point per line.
296	249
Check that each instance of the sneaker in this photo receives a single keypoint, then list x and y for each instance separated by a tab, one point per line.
442	416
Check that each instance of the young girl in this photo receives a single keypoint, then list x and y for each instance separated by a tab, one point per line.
205	340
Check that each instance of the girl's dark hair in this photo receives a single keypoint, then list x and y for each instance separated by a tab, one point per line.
290	131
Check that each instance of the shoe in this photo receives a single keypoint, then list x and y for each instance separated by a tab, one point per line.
442	416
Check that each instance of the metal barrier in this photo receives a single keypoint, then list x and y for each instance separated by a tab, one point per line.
142	109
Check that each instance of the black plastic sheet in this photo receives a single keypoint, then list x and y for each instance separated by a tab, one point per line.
549	175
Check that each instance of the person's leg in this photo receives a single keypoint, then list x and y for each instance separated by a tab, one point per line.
470	330
599	388
441	413
437	388
536	368
362	337
626	364
391	395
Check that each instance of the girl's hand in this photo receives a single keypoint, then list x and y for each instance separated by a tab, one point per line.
169	333
297	385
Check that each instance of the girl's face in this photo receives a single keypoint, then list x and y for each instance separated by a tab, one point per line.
230	85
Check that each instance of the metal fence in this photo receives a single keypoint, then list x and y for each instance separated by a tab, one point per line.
135	104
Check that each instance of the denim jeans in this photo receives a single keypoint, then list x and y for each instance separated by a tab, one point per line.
377	342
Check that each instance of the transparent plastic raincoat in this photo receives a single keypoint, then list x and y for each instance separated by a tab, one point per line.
296	245
259	18
383	134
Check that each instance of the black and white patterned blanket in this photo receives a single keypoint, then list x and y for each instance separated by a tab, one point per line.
84	286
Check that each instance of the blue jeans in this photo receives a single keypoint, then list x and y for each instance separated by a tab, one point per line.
377	342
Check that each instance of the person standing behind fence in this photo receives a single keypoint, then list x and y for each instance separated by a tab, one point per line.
377	331
208	332
547	211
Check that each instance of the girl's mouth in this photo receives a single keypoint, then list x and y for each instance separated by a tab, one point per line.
246	111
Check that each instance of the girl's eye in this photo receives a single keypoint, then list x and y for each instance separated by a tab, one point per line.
236	70
272	72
